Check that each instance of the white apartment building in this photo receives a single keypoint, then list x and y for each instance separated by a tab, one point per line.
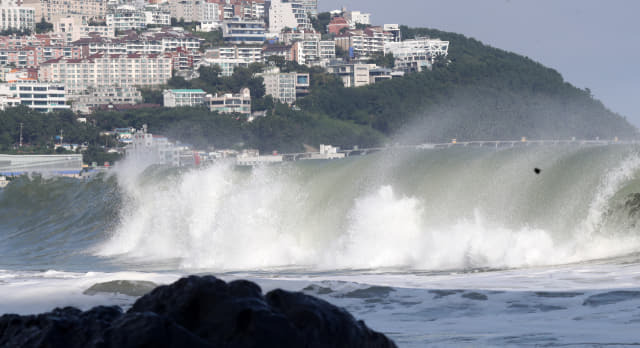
227	65
119	47
257	10
352	75
417	54
43	97
126	18
74	27
17	18
147	148
394	30
314	51
291	36
183	97
105	95
153	41
107	70
187	10
154	15
310	7
240	31
357	17
89	9
364	43
249	54
287	14
210	12
231	103
285	87
8	101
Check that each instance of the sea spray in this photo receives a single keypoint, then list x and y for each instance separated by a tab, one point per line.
478	208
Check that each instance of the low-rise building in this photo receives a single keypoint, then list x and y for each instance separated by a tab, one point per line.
326	152
290	36
285	87
227	65
231	103
9	74
352	74
284	51
417	54
152	149
336	25
43	97
95	97
183	97
239	31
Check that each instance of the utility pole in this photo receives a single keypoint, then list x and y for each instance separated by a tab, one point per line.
60	136
21	134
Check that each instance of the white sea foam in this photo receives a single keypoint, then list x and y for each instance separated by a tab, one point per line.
219	218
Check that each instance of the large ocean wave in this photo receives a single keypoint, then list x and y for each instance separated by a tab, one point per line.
448	209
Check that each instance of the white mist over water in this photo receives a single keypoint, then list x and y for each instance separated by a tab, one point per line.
223	218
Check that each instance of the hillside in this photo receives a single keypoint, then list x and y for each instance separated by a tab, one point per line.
482	93
477	93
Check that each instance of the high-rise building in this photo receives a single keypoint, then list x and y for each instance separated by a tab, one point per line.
17	18
88	9
287	14
310	7
107	70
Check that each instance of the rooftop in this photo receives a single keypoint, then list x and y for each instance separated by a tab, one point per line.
187	91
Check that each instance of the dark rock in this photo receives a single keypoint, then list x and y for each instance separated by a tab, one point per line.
197	312
323	324
125	287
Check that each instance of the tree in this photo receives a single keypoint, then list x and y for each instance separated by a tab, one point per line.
383	60
43	26
320	22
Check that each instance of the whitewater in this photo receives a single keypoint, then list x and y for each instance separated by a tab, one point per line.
464	246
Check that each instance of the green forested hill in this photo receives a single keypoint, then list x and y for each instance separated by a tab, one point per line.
482	93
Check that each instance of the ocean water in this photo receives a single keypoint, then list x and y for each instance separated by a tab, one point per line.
441	247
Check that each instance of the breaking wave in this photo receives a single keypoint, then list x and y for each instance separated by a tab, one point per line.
447	209
431	210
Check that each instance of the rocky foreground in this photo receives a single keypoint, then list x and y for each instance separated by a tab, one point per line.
197	312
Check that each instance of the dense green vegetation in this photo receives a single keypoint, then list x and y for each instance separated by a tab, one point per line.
43	26
39	133
477	92
283	129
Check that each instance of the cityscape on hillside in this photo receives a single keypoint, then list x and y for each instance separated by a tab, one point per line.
87	55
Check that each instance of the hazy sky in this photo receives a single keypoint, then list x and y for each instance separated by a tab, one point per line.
592	43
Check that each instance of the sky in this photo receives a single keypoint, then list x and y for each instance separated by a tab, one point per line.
594	44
